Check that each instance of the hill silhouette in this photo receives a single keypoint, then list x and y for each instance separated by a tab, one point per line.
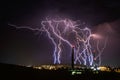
16	72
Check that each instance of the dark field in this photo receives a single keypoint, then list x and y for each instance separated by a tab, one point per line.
14	72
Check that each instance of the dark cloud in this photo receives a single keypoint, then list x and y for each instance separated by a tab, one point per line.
24	47
110	30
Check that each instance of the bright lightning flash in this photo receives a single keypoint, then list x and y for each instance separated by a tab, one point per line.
69	32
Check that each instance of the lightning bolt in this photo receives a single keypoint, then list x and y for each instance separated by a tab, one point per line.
69	32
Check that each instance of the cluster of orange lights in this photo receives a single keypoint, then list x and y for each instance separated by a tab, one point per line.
54	67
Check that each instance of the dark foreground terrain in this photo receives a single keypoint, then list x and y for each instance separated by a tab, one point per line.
14	72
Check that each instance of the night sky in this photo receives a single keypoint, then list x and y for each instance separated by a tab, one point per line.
26	47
